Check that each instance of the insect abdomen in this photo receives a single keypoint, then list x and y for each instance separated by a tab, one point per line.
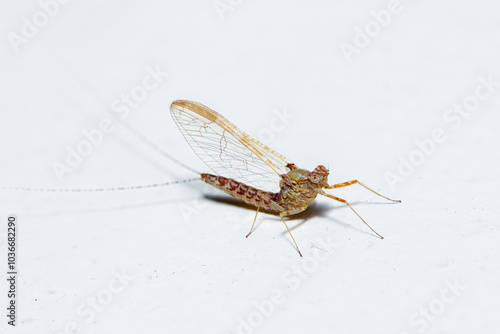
241	191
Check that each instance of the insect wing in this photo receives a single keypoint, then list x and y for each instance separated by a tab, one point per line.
227	150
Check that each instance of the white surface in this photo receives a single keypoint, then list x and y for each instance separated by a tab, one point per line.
201	274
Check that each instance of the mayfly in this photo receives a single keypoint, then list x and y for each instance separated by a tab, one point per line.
250	171
242	166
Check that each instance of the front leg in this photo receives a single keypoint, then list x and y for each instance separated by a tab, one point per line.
349	183
349	205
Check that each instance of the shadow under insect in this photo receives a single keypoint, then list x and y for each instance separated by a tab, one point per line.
315	209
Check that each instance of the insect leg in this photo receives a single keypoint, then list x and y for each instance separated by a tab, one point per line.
345	184
345	202
290	232
282	212
251	228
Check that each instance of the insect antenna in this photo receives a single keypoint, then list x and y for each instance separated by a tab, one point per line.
76	190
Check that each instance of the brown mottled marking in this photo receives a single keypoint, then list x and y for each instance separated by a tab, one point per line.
241	191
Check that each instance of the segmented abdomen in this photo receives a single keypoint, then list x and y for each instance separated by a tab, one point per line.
248	194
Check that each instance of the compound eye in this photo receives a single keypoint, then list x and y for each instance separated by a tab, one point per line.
314	179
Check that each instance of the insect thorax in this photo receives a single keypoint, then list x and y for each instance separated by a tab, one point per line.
296	192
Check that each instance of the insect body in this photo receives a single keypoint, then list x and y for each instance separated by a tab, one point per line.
248	170
297	190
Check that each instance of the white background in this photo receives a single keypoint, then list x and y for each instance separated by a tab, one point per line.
191	268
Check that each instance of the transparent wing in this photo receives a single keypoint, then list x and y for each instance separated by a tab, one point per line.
227	150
